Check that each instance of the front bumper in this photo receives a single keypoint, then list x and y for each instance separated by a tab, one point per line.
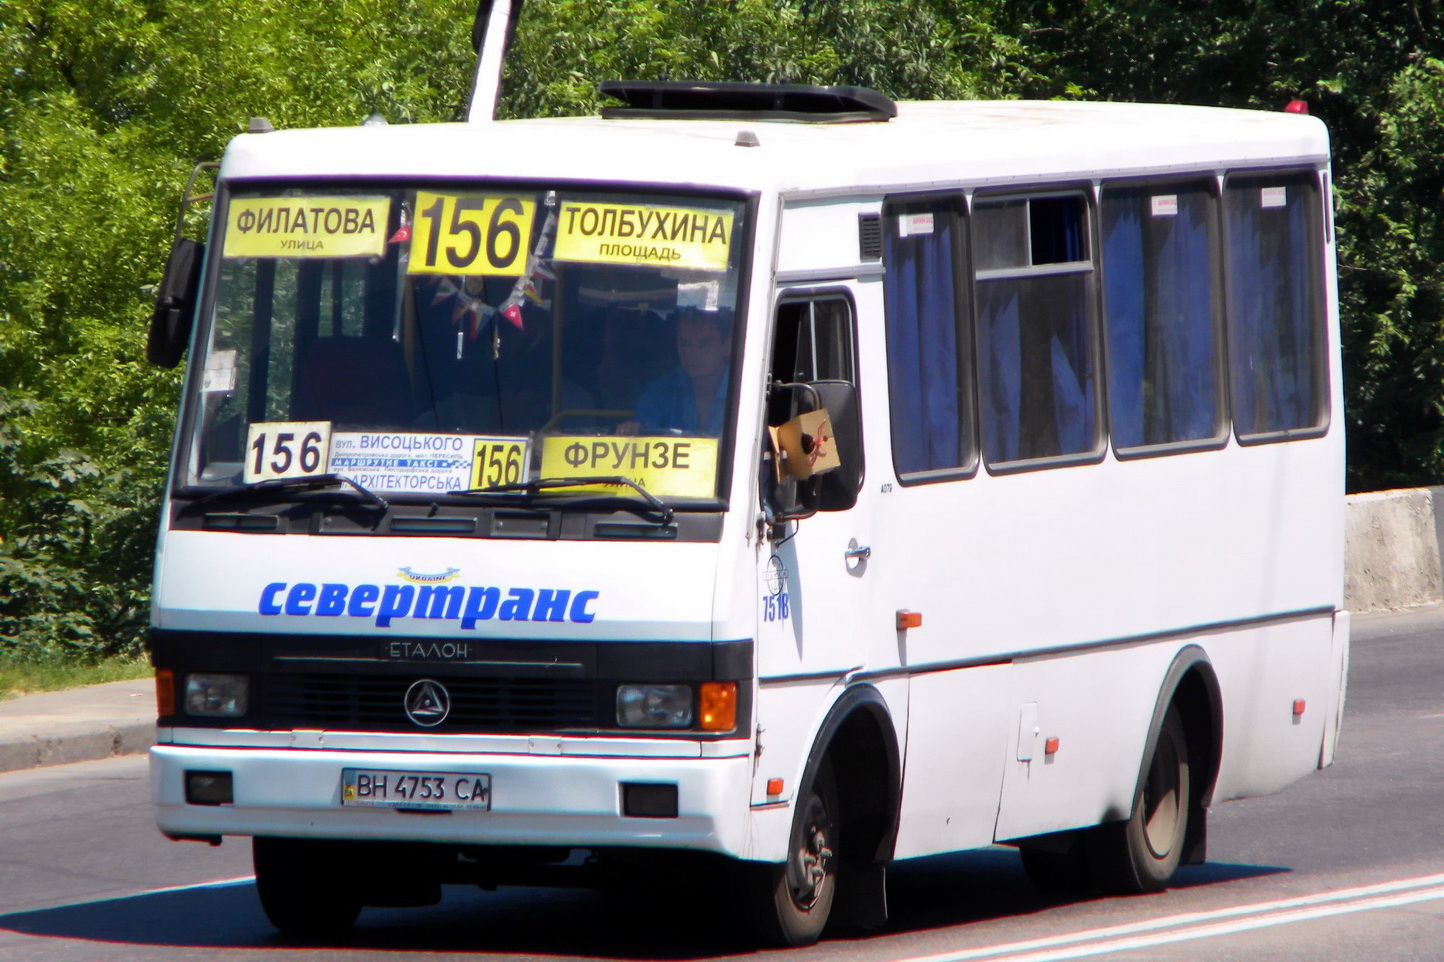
535	799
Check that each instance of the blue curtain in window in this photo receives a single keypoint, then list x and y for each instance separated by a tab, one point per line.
1123	290
1272	322
1000	369
922	341
1158	287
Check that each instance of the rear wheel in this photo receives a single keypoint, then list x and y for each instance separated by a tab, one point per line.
308	888
802	889
1141	854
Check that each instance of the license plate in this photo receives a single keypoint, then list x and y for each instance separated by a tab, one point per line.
392	789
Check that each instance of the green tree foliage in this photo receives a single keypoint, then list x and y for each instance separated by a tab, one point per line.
918	49
106	104
104	107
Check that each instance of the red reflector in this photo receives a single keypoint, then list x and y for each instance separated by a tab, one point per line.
1050	747
1298	706
774	786
909	619
1296	107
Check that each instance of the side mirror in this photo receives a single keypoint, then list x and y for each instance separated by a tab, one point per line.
836	490
175	304
793	494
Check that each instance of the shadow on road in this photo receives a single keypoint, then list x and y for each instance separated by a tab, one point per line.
923	894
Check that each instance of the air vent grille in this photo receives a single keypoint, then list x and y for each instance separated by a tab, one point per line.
869	237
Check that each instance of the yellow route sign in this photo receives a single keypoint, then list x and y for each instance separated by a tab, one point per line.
496	461
345	226
471	234
666	466
687	237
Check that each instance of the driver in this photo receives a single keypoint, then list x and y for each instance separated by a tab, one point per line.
693	398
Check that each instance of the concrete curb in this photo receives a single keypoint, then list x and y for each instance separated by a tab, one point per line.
82	724
82	743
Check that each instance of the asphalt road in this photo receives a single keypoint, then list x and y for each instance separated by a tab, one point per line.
1348	864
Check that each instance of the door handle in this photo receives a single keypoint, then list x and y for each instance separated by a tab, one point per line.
857	552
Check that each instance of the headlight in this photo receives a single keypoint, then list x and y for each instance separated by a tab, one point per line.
654	706
217	695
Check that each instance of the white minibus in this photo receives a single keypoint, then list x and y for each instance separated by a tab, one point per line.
766	477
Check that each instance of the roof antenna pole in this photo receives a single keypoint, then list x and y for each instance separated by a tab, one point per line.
491	34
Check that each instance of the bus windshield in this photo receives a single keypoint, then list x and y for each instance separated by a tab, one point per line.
433	340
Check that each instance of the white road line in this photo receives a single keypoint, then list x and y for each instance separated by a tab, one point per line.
1200	925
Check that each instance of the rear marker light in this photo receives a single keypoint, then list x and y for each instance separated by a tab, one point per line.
774	787
909	619
1298	707
1050	747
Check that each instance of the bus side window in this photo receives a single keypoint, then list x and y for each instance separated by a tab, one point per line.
1161	297
928	344
1275	304
1034	295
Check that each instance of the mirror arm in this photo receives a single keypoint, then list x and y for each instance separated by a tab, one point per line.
798	386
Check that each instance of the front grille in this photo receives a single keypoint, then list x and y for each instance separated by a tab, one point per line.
360	702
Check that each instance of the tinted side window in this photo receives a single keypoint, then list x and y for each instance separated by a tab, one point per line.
1160	284
928	386
1275	303
1034	295
814	341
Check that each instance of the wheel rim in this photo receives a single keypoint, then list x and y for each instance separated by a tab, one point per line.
1162	804
811	864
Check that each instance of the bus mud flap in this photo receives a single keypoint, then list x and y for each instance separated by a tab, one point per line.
861	897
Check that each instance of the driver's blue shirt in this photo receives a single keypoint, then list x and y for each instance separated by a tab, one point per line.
668	404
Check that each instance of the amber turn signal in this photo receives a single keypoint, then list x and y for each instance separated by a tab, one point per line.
164	692
718	704
909	619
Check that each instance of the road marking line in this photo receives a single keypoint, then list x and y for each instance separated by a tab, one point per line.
1198	925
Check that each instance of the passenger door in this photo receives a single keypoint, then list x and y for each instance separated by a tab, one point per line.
812	567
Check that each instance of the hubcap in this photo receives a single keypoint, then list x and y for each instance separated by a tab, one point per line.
811	858
1162	806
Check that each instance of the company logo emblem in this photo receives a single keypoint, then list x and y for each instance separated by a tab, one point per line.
776	576
427	703
419	578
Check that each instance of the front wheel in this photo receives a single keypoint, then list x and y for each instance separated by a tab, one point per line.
1141	854
801	890
308	888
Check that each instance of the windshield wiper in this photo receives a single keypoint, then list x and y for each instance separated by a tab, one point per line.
534	488
310	482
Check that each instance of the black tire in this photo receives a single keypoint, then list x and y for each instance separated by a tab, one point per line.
1140	855
800	891
307	888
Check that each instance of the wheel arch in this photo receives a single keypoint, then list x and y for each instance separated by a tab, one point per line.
859	739
1191	685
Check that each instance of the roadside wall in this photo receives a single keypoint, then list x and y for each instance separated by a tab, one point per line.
1393	548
